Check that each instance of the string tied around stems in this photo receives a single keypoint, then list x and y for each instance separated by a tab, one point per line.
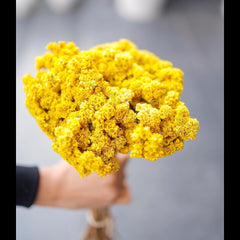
103	224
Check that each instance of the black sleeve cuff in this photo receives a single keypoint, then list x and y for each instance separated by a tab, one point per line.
27	179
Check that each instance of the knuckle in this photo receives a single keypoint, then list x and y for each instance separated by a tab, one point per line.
112	194
112	178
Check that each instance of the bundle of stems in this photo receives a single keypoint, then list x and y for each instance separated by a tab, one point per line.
100	225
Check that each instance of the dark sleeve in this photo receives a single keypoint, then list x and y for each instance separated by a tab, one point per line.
27	179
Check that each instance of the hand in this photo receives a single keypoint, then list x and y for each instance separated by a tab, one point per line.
61	186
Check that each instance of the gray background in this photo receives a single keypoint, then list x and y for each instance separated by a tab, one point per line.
179	197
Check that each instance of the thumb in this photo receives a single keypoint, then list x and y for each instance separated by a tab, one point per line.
123	159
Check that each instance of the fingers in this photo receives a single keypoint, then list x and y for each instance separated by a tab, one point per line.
119	176
125	196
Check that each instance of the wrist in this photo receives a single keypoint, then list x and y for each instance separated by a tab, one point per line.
46	193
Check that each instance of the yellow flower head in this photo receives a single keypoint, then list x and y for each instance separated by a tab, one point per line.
111	98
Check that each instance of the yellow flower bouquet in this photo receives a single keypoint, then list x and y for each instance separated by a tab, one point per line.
112	98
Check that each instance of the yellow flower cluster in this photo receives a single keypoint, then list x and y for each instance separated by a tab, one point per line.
111	98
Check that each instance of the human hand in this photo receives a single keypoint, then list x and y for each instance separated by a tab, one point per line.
61	186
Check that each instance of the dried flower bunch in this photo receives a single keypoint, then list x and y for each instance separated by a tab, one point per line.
111	98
